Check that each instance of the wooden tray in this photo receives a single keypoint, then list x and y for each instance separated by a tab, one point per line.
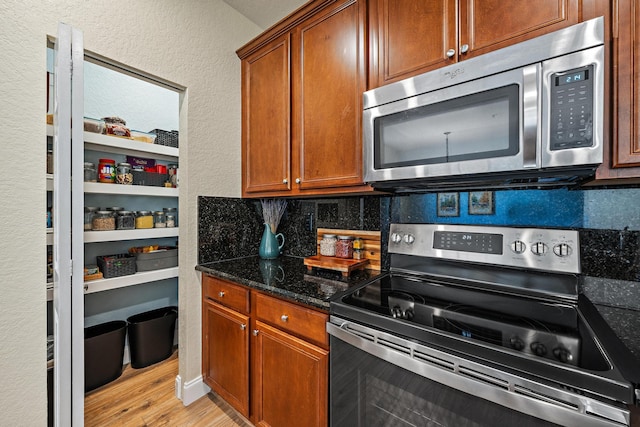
343	265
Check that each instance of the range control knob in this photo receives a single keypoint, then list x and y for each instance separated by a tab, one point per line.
409	239
562	354
539	248
562	250
396	312
518	246
408	314
516	343
396	238
538	348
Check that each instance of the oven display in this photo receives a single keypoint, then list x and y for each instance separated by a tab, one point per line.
491	336
484	243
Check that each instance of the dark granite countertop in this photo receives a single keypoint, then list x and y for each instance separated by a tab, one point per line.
287	277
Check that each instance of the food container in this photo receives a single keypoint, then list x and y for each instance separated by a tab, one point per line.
171	215
117	127
125	220
344	247
94	125
144	219
102	221
159	219
89	212
172	170
114	210
116	265
90	173
107	171
328	245
163	257
123	174
149	138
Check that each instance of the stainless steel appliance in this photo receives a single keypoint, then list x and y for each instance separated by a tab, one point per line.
526	115
477	326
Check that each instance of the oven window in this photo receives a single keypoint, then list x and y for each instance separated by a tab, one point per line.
478	126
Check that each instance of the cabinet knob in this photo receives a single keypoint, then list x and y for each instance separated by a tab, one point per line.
243	326
298	180
86	288
285	181
284	317
464	48
255	332
221	294
450	53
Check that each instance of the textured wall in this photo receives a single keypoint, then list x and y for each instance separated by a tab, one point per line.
191	43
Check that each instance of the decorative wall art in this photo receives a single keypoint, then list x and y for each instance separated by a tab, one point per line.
448	204
481	203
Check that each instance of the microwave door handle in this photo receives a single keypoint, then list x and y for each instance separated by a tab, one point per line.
531	115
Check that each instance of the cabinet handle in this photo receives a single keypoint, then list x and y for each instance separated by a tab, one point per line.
255	332
284	317
243	326
221	294
464	48
285	181
450	53
86	288
298	180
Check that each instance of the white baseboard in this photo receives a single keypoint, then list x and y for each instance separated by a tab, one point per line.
191	390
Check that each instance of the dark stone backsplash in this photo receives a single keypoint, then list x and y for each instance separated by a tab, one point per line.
613	254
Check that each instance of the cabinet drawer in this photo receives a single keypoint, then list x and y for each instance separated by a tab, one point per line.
301	321
225	293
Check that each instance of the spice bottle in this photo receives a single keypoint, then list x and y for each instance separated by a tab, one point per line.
328	245
107	171
358	248
344	247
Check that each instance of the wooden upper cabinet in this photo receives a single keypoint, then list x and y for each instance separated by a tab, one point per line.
410	37
329	81
266	118
302	89
626	146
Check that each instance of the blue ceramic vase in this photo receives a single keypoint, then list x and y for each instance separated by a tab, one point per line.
269	247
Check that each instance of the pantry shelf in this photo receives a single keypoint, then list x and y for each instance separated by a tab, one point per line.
129	280
114	144
129	190
119	235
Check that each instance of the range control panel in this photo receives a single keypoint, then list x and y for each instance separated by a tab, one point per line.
552	250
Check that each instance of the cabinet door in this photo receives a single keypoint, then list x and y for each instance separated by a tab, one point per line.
409	37
329	80
225	354
266	124
626	143
487	25
291	380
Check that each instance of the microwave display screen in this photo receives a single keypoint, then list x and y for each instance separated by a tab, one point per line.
482	125
574	77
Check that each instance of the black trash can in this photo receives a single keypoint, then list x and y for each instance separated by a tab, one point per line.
103	353
151	336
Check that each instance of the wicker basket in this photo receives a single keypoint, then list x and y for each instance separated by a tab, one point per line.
117	265
168	138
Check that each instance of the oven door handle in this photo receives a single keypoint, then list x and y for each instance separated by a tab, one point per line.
506	389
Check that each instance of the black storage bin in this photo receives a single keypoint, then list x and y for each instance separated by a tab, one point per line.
151	336
103	353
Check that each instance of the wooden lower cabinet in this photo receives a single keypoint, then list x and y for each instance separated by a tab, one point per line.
291	380
225	348
268	358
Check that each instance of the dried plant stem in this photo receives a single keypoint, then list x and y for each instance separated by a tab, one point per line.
272	211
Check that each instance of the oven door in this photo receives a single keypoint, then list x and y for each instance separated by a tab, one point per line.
484	125
378	379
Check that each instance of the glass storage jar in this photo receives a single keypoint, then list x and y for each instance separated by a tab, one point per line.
358	248
90	174
125	220
159	219
328	245
89	212
171	215
107	171
124	174
103	220
144	219
344	247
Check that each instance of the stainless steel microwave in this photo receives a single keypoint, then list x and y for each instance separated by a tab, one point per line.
527	115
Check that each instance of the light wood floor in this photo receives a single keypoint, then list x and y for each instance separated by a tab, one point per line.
146	397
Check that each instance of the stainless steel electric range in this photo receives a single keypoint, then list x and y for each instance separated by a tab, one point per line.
477	326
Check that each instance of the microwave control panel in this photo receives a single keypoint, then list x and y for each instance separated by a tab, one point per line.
572	109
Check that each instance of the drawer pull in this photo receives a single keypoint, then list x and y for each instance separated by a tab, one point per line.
221	294
284	317
243	326
255	332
